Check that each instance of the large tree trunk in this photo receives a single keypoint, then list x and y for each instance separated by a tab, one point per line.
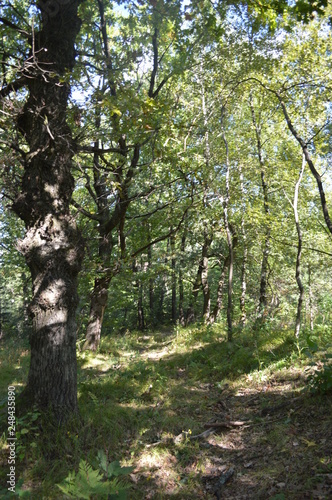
52	245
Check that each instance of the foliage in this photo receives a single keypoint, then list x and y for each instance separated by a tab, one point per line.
90	483
320	375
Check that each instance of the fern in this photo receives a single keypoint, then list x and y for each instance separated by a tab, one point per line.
90	483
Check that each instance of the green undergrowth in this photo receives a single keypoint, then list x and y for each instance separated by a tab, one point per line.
143	388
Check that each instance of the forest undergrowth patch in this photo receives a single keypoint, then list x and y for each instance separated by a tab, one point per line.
195	416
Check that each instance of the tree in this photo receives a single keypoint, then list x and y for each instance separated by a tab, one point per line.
52	245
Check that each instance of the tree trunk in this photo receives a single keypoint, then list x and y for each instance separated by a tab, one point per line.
305	151
181	288
311	306
220	290
173	264
243	318
225	202
98	305
52	245
299	250
266	251
204	276
99	294
202	273
151	284
140	308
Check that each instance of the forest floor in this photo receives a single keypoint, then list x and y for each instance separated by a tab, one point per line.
258	437
195	416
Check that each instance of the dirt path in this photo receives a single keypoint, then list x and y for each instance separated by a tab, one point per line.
267	440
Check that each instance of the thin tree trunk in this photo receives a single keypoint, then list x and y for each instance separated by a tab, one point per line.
163	286
243	318
52	245
207	237
173	265
181	288
204	276
225	202
218	305
304	147
140	309
299	250
138	284
151	283
217	308
266	251
201	276
311	306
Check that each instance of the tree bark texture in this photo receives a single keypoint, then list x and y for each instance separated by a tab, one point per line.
52	245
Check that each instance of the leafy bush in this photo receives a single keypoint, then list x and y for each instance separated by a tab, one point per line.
320	381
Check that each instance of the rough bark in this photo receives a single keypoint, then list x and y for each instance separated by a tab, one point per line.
52	245
299	251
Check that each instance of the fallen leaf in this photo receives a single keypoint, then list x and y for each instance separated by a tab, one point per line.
307	442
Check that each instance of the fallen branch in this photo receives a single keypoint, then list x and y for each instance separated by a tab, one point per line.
226	425
203	434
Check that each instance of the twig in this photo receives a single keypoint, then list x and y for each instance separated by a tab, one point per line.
226	425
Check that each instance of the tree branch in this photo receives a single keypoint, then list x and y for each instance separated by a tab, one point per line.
13	87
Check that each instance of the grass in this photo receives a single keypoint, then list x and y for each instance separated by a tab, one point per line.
139	393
